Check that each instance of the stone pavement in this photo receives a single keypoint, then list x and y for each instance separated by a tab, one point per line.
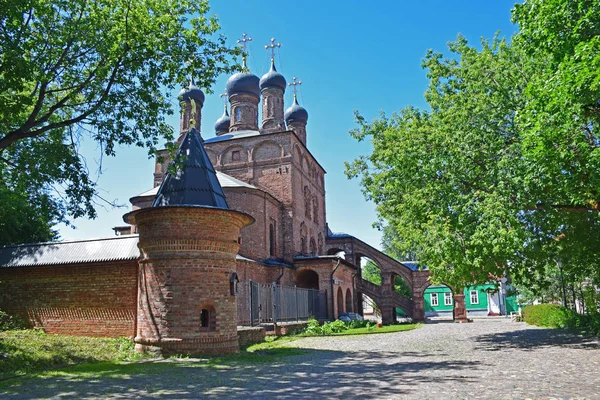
489	358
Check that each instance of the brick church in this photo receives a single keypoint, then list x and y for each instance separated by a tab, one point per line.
246	204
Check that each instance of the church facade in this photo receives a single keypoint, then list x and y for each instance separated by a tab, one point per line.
246	204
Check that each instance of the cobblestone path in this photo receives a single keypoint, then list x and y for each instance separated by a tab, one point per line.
489	358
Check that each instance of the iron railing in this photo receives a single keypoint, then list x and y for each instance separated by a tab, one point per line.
259	303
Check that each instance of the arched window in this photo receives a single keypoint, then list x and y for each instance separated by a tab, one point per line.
208	318
303	236
313	247
238	114
307	201
271	240
315	210
320	243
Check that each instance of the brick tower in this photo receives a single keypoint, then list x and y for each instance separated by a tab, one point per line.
188	243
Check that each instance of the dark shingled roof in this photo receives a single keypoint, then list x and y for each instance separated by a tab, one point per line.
196	183
119	248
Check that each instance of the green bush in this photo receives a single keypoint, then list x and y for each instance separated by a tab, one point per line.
10	322
555	316
548	315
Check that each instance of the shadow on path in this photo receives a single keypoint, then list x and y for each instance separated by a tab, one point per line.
314	374
533	338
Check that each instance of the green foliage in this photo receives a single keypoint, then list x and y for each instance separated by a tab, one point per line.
499	175
28	351
10	322
100	71
548	315
354	327
555	316
371	272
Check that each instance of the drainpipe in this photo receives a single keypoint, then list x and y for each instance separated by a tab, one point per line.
280	275
331	281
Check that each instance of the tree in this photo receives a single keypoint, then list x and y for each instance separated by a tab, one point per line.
102	69
500	175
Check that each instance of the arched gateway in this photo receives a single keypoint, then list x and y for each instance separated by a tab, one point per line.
385	295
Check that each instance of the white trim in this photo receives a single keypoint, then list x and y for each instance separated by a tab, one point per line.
447	299
476	293
434	299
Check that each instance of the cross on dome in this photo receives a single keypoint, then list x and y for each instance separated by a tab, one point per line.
271	47
294	84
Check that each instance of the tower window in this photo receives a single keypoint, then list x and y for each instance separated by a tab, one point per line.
238	114
204	318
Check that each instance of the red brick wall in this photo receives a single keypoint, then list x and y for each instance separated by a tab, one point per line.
84	300
188	257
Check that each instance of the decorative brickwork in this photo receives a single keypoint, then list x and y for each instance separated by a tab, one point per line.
188	258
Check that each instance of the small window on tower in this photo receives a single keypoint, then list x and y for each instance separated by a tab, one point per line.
235	155
238	114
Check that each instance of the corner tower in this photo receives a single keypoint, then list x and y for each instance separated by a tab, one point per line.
188	242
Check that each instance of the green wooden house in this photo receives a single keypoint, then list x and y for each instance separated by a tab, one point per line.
480	300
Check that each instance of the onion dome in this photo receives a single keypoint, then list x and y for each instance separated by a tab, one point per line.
244	82
222	124
192	92
296	114
272	79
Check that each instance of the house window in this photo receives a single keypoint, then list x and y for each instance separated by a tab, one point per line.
235	155
434	299
474	297
447	299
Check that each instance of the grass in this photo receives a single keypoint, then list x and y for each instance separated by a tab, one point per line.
383	329
29	351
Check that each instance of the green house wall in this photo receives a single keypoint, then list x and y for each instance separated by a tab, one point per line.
482	291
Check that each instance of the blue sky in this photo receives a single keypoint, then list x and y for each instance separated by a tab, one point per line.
350	55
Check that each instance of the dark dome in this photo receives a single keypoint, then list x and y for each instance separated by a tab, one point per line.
296	114
192	92
272	79
222	124
243	83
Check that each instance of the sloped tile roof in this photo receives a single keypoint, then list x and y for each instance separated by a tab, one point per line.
118	248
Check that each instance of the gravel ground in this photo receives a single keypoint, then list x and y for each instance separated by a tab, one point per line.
489	358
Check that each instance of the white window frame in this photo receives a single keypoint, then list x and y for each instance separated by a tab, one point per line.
433	297
447	299
476	294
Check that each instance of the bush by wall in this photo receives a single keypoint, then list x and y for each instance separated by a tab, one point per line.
555	316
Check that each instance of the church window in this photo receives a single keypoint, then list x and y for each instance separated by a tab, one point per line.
307	201
303	237
320	243
271	240
313	247
235	155
238	114
315	210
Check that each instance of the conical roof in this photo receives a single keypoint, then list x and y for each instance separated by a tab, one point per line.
195	182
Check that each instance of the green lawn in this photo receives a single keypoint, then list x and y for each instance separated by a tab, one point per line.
383	329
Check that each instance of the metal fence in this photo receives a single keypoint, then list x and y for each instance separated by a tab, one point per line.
259	303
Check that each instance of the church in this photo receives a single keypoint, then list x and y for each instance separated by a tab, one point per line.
245	205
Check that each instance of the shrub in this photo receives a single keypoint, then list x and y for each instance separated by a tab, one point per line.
10	322
555	316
